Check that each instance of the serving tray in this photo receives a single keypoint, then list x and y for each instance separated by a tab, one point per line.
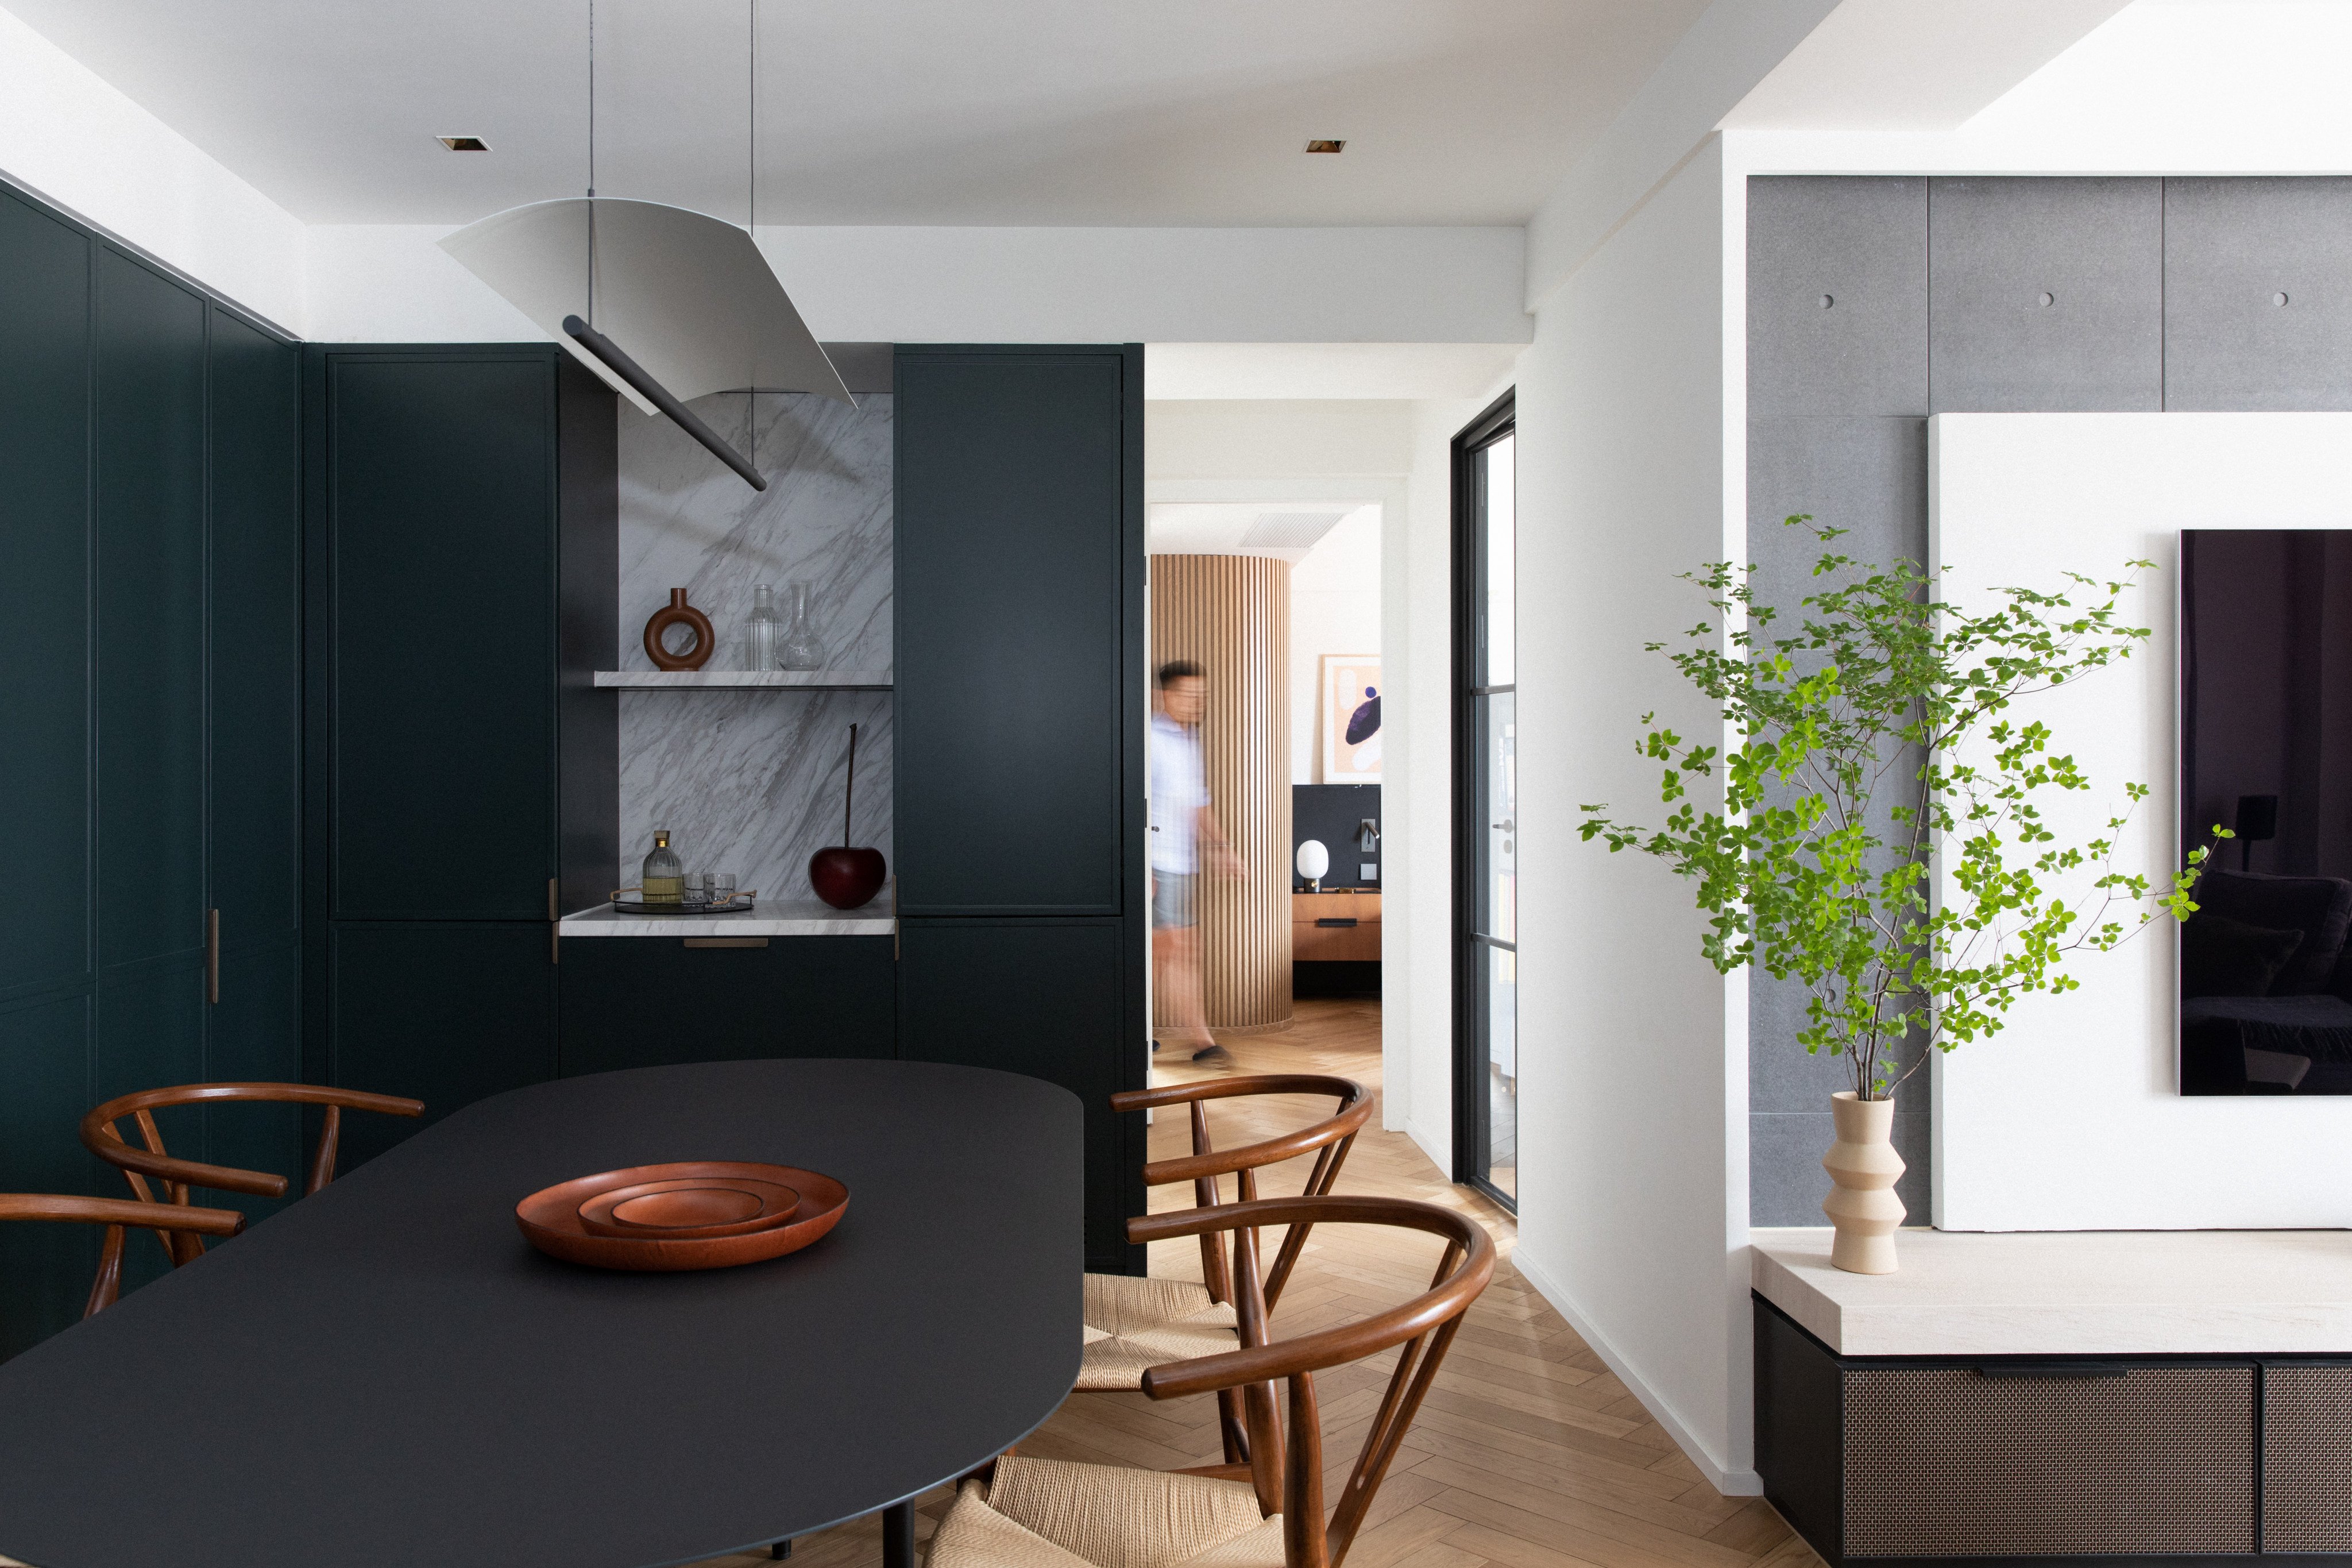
624	904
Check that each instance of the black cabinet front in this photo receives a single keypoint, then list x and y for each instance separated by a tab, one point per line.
1013	695
1020	706
459	513
443	573
150	724
642	1002
448	1012
1047	999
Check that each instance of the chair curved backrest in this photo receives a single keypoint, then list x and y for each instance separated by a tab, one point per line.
100	1136
114	1213
1288	1475
1329	1140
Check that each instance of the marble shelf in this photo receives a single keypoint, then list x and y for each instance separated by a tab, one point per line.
2080	1292
754	679
781	918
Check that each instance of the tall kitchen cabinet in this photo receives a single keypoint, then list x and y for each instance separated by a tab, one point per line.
461	534
1020	715
149	725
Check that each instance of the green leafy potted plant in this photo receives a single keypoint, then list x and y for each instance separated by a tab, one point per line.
1880	836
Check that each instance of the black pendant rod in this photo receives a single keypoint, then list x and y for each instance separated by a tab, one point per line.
630	370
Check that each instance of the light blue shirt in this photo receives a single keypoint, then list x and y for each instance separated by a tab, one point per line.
1180	788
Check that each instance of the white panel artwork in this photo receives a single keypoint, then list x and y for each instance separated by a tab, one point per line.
751	781
2070	1119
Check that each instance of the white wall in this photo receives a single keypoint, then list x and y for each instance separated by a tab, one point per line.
1633	1127
2069	1120
72	139
1335	607
1417	788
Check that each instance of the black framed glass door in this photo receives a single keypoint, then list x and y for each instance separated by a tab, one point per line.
1485	793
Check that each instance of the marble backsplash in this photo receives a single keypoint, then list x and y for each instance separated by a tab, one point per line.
751	781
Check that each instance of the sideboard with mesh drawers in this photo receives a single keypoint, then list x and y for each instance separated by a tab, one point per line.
2059	1399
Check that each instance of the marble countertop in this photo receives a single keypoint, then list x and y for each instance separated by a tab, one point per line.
778	917
2098	1292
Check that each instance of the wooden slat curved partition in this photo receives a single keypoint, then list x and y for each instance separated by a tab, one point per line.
1230	614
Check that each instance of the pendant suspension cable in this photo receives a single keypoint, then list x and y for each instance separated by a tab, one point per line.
751	227
591	162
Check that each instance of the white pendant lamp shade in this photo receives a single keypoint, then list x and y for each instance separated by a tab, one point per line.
689	297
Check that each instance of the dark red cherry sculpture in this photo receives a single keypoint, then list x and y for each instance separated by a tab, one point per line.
845	877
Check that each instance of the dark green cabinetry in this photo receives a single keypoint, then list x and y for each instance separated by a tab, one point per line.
149	638
447	1011
633	1001
460	504
1021	697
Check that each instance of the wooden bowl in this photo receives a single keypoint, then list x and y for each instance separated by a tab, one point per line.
551	1220
685	1207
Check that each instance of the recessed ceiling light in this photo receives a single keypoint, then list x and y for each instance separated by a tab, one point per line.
465	143
1322	146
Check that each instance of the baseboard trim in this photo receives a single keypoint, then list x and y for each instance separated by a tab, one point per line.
1728	1481
1440	1151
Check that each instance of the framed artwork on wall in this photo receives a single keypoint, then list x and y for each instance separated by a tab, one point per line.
1351	717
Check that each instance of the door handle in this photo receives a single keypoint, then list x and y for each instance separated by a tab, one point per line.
554	930
2049	1371
212	957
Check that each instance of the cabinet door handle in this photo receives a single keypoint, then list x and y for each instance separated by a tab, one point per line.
1345	921
2058	1370
212	957
554	930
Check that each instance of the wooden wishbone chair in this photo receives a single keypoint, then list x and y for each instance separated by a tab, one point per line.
1133	1323
176	1176
114	1213
1267	1513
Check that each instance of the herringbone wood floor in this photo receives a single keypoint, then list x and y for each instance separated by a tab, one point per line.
1528	1453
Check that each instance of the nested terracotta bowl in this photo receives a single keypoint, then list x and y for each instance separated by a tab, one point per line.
713	1233
682	1208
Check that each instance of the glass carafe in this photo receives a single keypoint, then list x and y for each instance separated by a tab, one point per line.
762	631
799	648
663	881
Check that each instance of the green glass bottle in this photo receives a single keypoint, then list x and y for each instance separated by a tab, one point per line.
664	877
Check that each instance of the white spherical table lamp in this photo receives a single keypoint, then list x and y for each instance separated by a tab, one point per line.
1313	860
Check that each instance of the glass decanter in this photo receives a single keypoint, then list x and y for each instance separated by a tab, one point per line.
663	881
799	648
762	631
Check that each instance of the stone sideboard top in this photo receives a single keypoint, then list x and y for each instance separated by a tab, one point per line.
2098	1292
803	917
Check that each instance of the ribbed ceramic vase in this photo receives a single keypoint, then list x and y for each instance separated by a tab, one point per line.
1863	1167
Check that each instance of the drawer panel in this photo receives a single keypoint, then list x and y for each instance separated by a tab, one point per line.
1945	1461
1310	943
2307	1458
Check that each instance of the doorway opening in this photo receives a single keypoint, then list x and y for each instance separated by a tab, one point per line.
1485	795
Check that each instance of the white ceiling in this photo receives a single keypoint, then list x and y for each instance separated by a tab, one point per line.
1325	370
1223	528
891	111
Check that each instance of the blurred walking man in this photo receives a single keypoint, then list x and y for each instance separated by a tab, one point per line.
1183	827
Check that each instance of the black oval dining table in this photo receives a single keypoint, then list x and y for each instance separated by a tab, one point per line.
386	1372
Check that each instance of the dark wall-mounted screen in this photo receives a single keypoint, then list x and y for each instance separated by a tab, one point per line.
2266	751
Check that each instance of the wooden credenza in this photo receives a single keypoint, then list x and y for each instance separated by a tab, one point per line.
1343	926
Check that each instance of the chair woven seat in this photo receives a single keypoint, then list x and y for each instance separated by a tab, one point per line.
1049	1513
1132	1324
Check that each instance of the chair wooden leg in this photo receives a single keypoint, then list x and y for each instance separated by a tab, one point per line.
1232	1426
109	1283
